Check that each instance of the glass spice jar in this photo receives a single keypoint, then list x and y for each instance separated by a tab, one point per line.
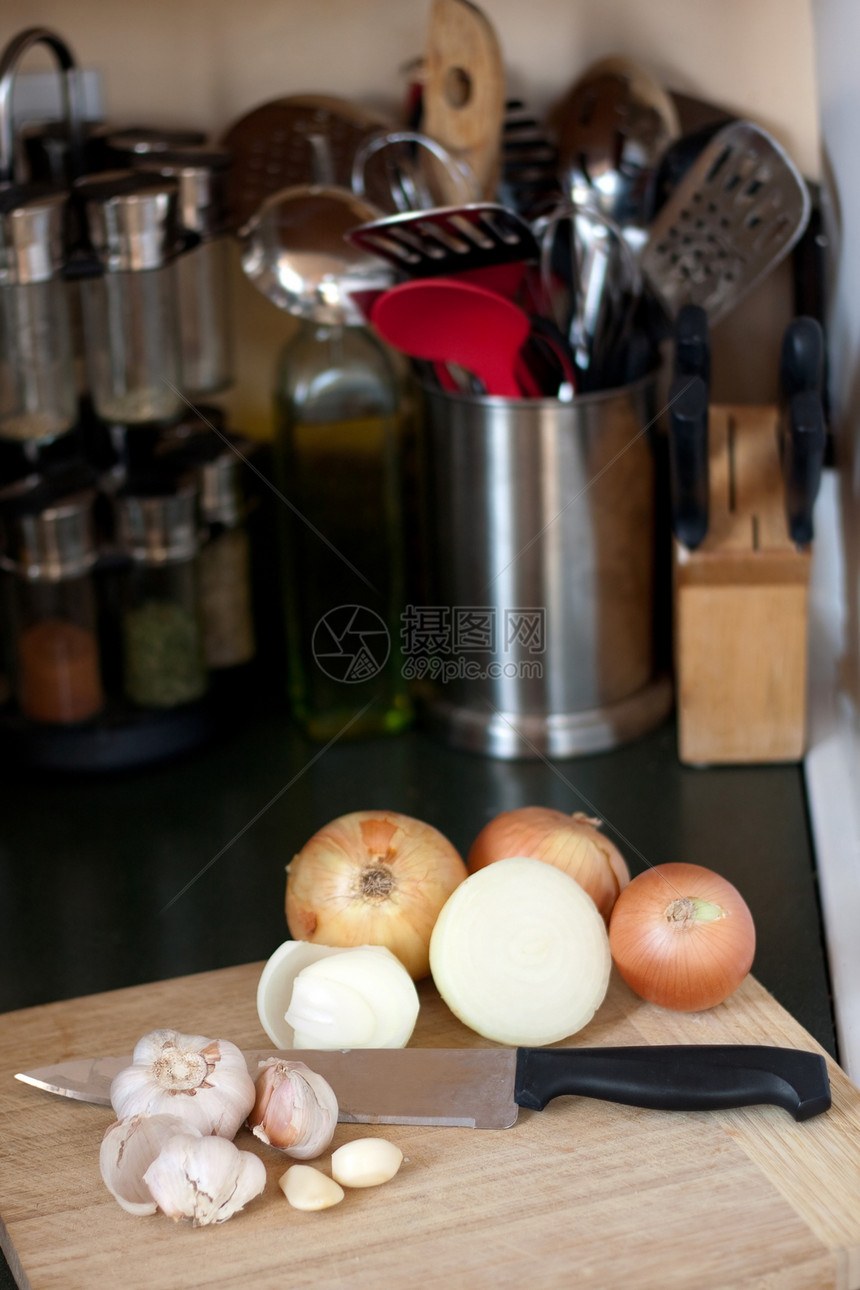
203	270
38	389
163	657
130	309
225	566
55	656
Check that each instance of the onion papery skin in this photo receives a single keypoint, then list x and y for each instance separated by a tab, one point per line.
683	963
373	878
572	843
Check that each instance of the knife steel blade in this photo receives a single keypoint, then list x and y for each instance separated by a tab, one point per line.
483	1088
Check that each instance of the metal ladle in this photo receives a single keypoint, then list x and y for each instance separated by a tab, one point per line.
295	252
613	128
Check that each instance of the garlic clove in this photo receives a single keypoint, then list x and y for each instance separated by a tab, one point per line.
306	1188
296	1109
128	1149
365	1162
206	1180
205	1081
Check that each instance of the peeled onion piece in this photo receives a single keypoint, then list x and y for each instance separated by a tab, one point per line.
682	937
373	878
572	843
360	998
367	1001
275	987
520	953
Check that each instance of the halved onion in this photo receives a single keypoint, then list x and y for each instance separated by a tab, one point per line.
520	953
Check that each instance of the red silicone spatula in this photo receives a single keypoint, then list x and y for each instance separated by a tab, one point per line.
444	320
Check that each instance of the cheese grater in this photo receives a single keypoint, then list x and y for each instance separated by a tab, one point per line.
736	213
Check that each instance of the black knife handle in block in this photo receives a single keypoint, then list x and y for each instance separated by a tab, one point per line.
692	343
698	1077
801	358
688	459
803	439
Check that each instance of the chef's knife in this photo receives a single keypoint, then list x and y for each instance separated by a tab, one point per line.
688	459
483	1088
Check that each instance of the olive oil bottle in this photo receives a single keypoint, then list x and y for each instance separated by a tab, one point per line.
338	447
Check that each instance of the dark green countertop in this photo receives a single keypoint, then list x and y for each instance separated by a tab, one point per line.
180	867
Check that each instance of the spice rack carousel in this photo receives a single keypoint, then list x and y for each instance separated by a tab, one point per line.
129	573
126	526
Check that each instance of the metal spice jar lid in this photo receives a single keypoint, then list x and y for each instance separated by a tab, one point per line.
55	542
132	219
159	529
31	235
222	498
201	174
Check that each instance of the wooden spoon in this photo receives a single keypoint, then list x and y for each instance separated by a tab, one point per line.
464	89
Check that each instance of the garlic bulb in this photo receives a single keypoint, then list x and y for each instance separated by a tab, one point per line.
206	1180
295	1110
205	1081
128	1149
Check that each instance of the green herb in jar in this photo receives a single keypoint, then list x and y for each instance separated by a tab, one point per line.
164	664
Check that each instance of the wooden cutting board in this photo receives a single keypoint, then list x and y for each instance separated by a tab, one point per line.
583	1193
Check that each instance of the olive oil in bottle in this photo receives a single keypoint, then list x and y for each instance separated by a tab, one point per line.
340	420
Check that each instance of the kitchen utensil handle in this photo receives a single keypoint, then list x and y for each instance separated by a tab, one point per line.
804	439
688	459
676	1077
692	343
801	359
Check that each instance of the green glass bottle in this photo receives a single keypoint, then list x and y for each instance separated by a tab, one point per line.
338	441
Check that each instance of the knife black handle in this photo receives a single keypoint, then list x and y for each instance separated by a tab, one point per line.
801	358
692	343
688	459
803	442
677	1077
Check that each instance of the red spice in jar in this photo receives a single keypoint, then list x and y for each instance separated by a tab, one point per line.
59	679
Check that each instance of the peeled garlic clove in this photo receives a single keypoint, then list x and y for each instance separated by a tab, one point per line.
295	1110
205	1081
365	1162
307	1188
128	1149
206	1180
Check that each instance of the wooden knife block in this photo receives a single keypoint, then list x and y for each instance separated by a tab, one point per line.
740	606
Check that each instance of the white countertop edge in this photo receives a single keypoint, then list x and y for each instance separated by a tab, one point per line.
832	776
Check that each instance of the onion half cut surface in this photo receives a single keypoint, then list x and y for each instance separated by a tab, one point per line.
520	953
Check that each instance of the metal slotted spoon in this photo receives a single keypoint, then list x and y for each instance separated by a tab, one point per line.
737	212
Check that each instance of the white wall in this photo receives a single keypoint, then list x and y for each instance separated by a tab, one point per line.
206	62
837	26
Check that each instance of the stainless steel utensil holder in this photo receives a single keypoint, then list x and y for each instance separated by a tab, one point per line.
541	524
